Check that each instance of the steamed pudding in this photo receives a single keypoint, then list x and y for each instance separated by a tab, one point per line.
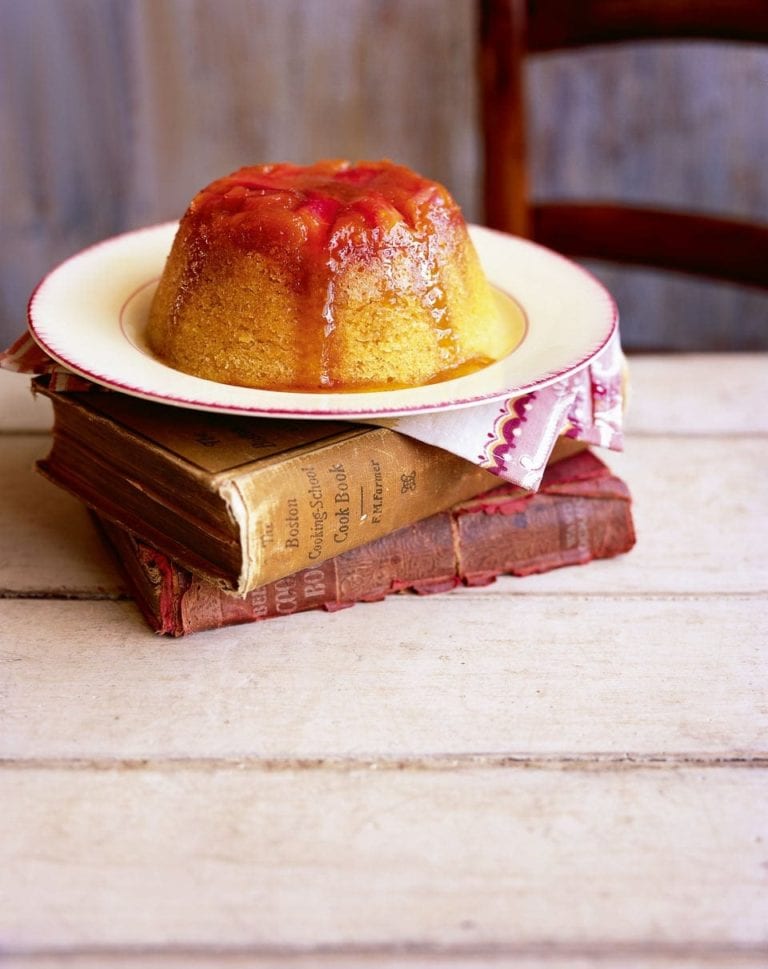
331	276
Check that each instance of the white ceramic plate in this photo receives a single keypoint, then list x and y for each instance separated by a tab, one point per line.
90	312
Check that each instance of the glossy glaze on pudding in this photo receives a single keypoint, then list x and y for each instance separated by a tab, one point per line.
331	276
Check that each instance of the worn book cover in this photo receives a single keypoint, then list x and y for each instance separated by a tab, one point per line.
582	512
244	500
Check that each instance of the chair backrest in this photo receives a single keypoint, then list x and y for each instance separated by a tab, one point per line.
735	250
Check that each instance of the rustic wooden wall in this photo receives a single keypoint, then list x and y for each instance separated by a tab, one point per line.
114	112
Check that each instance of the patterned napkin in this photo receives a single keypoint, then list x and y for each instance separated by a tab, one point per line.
512	439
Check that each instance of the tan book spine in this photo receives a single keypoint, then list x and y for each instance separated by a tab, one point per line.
339	497
246	501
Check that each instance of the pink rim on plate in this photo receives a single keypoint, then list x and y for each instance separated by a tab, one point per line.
89	314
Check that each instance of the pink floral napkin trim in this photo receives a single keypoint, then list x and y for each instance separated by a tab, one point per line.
514	438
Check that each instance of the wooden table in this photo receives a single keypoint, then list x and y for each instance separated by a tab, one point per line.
562	771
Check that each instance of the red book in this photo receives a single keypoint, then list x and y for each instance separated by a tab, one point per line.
581	512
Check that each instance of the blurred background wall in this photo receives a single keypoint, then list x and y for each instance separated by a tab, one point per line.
114	112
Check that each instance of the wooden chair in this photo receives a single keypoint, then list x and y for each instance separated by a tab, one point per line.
720	248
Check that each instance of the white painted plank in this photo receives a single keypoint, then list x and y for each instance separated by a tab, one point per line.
319	857
698	394
20	410
402	678
48	544
396	957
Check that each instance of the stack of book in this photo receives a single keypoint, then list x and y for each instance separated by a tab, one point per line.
217	519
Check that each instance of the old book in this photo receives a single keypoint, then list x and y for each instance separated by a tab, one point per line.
242	500
582	512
